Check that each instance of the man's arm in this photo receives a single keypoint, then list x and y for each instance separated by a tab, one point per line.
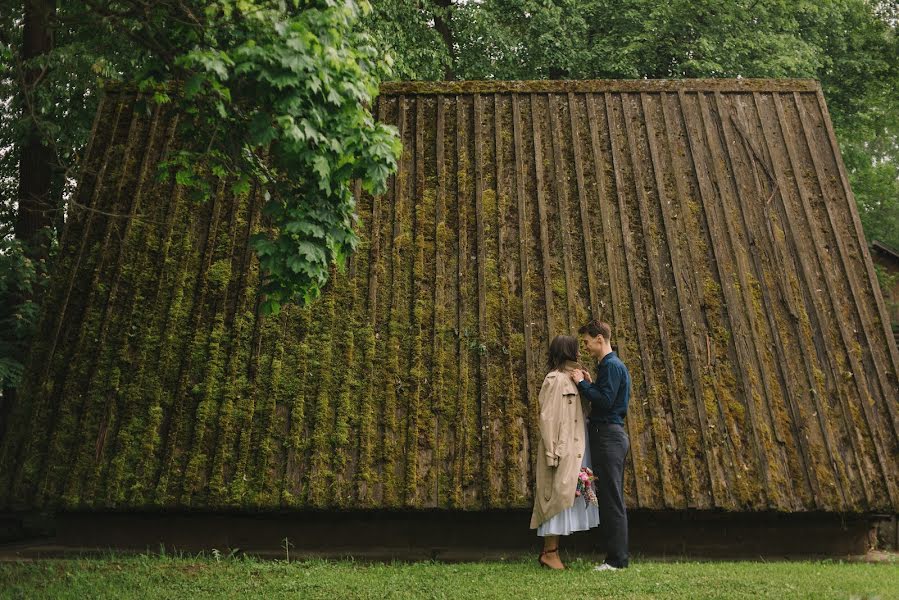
601	394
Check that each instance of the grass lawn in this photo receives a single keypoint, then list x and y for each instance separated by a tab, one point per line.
204	577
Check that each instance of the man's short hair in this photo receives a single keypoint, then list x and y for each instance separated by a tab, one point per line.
595	328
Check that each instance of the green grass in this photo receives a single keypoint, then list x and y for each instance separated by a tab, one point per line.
203	577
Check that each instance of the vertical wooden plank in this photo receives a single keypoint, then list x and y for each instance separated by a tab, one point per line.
706	193
371	305
288	486
795	415
747	353
586	230
542	216
486	408
809	277
617	300
83	485
603	200
691	316
523	221
439	283
368	433
75	395
417	302
635	302
321	419
467	414
510	411
859	301
653	261
262	471
686	307
460	418
561	184
859	233
859	378
389	494
348	414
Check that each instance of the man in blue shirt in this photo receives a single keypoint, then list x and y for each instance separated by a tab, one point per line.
608	396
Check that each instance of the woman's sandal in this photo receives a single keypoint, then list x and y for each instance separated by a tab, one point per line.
543	564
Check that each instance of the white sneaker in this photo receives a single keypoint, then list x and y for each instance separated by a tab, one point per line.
605	567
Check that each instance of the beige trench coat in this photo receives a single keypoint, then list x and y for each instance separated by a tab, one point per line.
560	449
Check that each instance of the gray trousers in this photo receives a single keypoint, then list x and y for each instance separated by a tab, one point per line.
609	446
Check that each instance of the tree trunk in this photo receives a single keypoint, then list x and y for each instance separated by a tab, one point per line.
37	162
441	24
36	159
558	73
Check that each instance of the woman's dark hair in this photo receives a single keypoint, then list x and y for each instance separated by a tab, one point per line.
562	349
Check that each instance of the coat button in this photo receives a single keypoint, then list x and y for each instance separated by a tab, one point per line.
579	456
576	440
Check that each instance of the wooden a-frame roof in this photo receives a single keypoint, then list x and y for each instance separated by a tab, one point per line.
710	221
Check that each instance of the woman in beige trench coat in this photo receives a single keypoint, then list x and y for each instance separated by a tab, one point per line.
561	452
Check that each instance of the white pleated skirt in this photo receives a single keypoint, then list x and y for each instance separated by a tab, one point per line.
580	516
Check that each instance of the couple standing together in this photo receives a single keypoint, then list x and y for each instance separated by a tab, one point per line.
582	434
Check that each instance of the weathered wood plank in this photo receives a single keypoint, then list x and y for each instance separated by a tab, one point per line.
688	319
750	361
636	304
754	158
586	230
653	261
561	193
544	219
852	206
438	326
604	200
725	495
524	277
860	302
809	278
861	376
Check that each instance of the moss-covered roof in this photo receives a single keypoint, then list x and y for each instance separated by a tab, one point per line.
711	222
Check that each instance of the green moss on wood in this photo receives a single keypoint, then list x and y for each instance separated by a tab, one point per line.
185	397
319	471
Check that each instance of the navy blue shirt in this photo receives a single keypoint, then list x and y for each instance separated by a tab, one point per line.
610	393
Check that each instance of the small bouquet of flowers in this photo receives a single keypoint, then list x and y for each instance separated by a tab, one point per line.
585	486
